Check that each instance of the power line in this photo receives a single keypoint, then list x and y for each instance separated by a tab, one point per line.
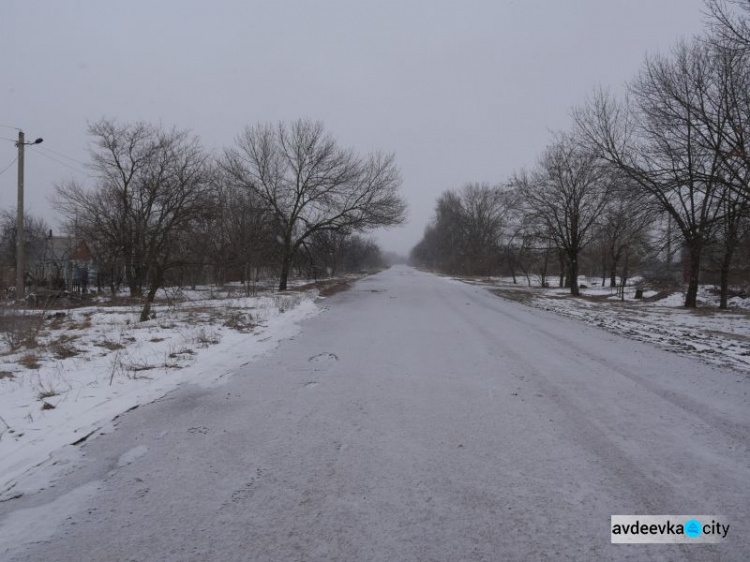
10	127
61	154
8	166
79	170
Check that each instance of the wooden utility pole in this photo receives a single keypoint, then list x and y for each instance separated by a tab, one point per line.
20	232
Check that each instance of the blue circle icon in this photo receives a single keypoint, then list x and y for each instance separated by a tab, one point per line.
693	528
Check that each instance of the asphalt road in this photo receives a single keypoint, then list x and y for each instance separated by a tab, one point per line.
418	419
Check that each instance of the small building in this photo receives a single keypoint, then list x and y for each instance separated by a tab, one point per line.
65	263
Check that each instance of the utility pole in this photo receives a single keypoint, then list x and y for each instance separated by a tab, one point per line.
20	231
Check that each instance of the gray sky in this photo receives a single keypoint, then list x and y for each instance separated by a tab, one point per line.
460	90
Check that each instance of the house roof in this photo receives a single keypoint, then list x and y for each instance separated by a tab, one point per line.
64	247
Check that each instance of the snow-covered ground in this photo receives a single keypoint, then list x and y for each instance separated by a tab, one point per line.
88	365
420	418
721	337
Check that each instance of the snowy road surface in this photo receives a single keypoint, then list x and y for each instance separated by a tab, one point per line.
418	419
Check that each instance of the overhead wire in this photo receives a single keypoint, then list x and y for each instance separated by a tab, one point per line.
74	168
8	166
44	148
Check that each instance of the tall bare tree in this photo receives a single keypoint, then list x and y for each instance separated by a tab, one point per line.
565	197
311	184
662	139
484	214
150	184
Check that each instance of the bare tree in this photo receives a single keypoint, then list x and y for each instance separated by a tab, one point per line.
730	22
425	252
335	252
484	214
231	239
447	236
625	222
151	183
727	237
565	197
36	230
666	145
465	234
311	184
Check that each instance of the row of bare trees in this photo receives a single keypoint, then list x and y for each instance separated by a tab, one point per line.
660	171
161	208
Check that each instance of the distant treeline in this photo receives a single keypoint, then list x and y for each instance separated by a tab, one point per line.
655	182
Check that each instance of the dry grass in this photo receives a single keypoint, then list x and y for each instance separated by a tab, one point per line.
240	322
62	347
63	334
19	330
44	394
30	361
110	345
183	351
119	301
84	324
56	320
518	295
67	338
201	309
63	350
334	288
206	337
138	367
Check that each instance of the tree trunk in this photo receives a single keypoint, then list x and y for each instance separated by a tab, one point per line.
691	298
511	263
613	272
156	282
726	262
133	285
135	275
573	275
113	283
286	264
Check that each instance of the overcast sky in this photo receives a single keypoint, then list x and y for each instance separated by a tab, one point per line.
460	90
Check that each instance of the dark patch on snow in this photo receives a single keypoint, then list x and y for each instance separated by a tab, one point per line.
202	430
326	356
